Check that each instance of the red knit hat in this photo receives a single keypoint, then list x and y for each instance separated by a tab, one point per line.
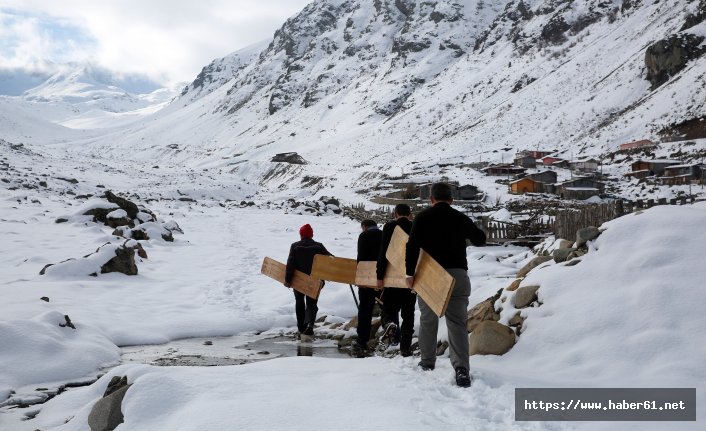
306	231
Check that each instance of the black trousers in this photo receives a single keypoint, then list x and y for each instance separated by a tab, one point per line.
306	309
365	314
398	302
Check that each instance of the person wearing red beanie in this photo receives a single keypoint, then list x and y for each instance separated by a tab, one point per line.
301	258
306	231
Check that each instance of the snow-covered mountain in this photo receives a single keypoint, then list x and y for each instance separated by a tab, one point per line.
375	88
396	82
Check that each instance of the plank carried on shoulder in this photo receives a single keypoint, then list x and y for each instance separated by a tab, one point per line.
330	268
366	275
431	281
301	282
349	271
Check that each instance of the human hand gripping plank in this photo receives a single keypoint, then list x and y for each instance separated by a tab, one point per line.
301	282
431	281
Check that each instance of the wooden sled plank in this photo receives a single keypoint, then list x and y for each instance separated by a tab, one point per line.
431	282
330	268
300	281
366	275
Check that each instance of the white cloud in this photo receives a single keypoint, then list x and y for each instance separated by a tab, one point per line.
167	40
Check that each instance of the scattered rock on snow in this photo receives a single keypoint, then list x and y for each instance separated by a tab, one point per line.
491	338
483	311
525	295
514	285
562	254
532	265
123	262
106	413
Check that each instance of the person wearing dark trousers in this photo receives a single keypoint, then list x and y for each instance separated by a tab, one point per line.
301	258
397	301
368	249
442	232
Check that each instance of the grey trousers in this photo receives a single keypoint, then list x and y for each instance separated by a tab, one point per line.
456	323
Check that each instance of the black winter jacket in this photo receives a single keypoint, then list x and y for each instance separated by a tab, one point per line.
369	244
442	232
301	257
387	232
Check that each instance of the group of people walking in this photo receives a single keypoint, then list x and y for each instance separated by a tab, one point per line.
443	233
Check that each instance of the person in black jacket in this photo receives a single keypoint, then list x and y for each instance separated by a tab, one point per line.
397	301
368	248
301	257
442	232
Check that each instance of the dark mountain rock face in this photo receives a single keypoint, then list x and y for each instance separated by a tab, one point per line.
668	57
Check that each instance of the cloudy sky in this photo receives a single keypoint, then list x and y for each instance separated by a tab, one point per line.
168	40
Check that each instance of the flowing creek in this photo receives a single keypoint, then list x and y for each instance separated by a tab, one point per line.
24	405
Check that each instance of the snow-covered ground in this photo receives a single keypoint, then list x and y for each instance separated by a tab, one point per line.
627	315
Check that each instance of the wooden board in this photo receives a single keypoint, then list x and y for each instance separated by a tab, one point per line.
431	282
330	268
366	275
300	282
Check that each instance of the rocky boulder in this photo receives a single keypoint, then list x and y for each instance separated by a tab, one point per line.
291	158
491	338
525	295
562	254
130	207
532	265
667	57
514	285
123	262
106	413
481	312
586	234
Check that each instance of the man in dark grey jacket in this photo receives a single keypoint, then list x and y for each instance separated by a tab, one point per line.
442	232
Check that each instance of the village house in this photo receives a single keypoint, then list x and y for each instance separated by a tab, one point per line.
555	161
580	188
645	143
526	185
540	182
525	160
683	174
465	192
648	168
504	170
589	165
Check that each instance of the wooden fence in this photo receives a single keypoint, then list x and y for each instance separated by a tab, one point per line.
500	231
568	221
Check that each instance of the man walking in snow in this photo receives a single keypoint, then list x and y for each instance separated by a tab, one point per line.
368	248
301	258
396	301
442	232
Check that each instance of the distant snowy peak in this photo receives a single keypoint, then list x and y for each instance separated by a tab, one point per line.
85	82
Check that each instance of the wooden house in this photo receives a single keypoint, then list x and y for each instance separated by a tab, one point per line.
465	192
589	165
551	160
646	168
526	161
683	174
504	170
645	143
546	177
526	185
580	188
